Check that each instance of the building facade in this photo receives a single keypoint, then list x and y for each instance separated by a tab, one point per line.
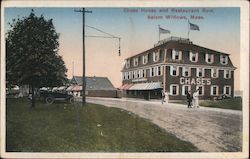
176	65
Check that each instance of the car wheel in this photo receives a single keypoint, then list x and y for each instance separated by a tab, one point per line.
71	100
49	100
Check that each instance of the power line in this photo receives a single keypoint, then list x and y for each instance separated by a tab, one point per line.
102	31
110	36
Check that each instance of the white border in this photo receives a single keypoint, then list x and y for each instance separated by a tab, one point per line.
244	74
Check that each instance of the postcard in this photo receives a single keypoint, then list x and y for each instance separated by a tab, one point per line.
124	79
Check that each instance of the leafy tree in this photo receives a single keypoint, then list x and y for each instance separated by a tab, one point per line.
32	54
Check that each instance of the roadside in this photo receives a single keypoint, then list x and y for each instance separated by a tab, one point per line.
209	129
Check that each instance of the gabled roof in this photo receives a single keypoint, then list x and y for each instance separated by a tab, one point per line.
94	83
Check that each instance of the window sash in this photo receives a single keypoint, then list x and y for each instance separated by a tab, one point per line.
201	90
214	90
174	89
185	89
214	73
227	90
145	59
209	58
174	70
227	74
186	72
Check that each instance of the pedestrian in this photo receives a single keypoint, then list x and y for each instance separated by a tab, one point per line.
166	97
162	96
196	99
189	99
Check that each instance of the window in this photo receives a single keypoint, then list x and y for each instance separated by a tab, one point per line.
138	73
214	90
176	55
159	70
200	72
143	73
152	72
136	61
174	89
193	56
185	89
201	89
227	90
186	71
145	59
174	71
227	74
124	75
134	74
127	63
155	56
209	58
224	59
214	73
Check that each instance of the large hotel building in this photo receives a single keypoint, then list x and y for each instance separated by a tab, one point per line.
176	65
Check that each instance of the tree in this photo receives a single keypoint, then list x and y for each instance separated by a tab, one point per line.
32	54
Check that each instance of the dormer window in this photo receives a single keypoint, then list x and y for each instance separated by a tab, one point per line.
145	59
127	63
200	72
186	71
193	57
155	56
224	59
176	55
209	58
136	61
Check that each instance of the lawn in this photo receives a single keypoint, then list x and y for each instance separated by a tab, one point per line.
64	127
233	103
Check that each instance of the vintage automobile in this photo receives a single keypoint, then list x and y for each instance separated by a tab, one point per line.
50	97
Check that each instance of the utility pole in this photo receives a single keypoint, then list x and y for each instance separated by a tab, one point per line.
83	54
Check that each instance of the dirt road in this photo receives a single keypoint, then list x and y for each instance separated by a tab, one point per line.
209	129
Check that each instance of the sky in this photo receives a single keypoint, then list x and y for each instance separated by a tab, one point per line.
219	30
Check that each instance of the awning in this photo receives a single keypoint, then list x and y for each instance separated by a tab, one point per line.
70	88
146	86
77	88
126	86
61	88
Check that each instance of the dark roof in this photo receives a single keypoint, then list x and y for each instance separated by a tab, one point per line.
94	83
186	45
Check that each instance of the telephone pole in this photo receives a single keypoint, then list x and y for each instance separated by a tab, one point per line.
83	11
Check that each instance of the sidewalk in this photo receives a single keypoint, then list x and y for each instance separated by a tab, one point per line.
209	129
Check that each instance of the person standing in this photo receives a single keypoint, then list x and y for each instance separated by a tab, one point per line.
189	99
162	96
196	98
166	97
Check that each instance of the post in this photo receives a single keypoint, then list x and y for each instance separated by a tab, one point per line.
188	29
83	58
83	55
164	71
159	32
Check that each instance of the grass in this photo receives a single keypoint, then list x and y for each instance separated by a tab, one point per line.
94	128
233	103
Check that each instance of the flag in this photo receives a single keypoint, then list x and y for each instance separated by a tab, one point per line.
163	31
194	27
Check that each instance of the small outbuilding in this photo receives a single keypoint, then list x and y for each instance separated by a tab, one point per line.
95	87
